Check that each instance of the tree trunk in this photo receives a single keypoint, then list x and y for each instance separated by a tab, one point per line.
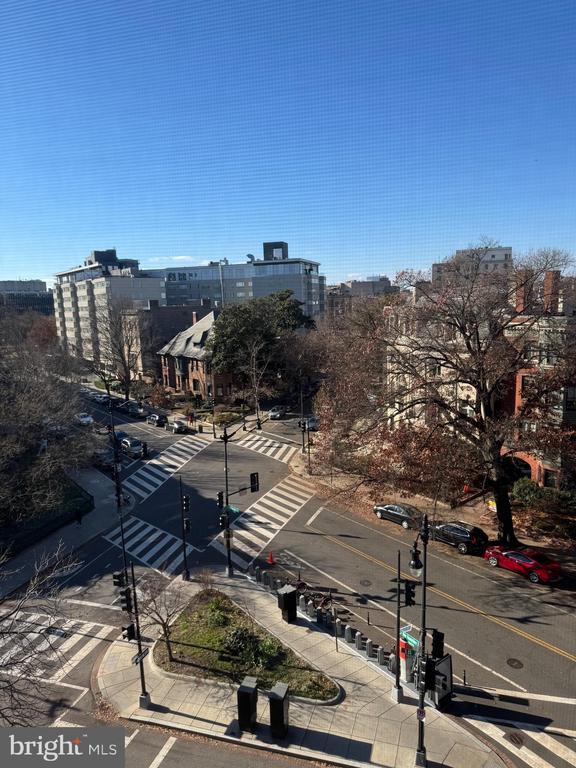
168	643
506	535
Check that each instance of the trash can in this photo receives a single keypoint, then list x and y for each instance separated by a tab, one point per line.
247	696
279	710
287	596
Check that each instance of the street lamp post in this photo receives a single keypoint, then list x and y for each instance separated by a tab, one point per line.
418	568
229	567
184	502
302	425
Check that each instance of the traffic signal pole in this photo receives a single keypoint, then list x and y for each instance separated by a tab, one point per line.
229	566
186	572
420	760
118	488
144	696
397	690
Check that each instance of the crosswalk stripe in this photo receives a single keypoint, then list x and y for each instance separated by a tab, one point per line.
69	665
298	484
164	556
274	449
242	562
116	536
156	471
251	535
260	509
146	542
141	535
274	504
491	730
139	484
157	547
31	623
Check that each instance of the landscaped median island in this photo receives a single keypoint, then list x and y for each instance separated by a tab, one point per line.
214	638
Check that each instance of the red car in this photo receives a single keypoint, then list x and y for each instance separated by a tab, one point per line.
529	562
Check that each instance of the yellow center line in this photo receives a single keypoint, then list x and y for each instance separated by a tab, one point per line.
451	598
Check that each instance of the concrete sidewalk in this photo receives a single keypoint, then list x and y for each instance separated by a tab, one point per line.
366	728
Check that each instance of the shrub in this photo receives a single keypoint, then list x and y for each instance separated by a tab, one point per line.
217	617
243	644
525	491
269	652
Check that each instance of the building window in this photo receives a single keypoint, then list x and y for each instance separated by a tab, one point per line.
240	285
181	276
219	390
195	385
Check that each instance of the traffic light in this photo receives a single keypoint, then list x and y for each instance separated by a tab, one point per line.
254	482
185	503
118	579
437	644
409	592
129	632
187	524
427	673
222	520
221	499
126	600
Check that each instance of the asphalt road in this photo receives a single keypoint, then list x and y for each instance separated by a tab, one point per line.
512	637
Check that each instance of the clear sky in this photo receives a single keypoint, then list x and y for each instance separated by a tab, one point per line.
371	135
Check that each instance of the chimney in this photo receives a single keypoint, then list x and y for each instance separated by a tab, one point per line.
552	291
524	289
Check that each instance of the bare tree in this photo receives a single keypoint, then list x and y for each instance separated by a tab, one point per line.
25	642
442	369
160	603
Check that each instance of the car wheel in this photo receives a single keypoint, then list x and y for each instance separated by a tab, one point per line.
405	524
380	514
493	561
463	548
534	578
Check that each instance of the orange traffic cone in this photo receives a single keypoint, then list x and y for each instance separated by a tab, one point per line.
271	560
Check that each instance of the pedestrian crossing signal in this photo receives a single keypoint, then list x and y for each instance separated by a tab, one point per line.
129	632
437	644
222	521
118	579
254	482
221	499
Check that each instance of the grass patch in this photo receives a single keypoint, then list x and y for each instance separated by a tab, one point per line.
215	639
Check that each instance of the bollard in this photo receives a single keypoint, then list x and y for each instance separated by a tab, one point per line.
381	655
358	640
348	633
302	603
258	574
369	649
328	618
339	628
319	616
265	578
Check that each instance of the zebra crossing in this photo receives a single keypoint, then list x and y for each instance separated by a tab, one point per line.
151	545
155	472
56	644
271	448
258	525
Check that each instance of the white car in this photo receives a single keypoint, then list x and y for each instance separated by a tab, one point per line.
277	412
84	419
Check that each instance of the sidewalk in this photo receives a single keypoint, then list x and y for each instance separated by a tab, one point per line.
367	728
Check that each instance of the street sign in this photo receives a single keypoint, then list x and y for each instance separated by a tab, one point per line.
413	642
230	508
137	658
407	628
421	714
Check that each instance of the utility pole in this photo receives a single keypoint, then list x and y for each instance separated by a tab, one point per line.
397	690
417	568
229	567
302	425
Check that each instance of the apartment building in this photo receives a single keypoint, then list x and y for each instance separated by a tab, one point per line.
485	260
26	296
84	295
225	283
340	298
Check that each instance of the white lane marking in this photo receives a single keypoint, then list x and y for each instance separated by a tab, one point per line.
314	516
69	665
535	696
392	613
163	752
86	565
89	602
511	586
59	722
494	732
128	739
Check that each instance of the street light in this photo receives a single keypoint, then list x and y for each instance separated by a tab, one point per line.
118	488
417	568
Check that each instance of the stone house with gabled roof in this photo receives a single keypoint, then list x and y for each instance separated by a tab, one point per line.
186	363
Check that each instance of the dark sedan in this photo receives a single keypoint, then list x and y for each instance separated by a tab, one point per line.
464	536
404	514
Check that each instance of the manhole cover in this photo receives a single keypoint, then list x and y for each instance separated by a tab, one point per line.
516	739
366	582
514	663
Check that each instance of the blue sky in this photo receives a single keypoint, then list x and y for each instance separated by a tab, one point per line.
370	135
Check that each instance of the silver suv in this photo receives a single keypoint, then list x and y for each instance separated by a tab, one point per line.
132	447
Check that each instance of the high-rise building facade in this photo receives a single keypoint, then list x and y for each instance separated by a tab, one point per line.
26	296
224	283
84	295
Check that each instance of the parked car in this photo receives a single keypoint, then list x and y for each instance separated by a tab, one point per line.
312	424
178	426
157	419
529	562
131	408
84	419
277	412
404	514
464	536
132	447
